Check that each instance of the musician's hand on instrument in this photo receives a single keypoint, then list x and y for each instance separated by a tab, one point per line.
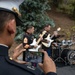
55	33
55	44
17	53
47	41
35	46
26	46
40	36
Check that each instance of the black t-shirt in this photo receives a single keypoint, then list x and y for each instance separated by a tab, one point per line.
27	39
44	47
53	38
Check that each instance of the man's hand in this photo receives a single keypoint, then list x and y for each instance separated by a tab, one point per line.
40	37
48	64
17	52
26	46
55	33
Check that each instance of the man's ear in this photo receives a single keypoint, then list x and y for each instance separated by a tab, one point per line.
10	27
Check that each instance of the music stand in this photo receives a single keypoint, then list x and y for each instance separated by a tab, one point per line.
59	54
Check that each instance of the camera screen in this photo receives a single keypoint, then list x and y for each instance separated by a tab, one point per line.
36	57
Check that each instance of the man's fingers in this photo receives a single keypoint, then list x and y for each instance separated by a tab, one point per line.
41	65
22	51
45	53
46	57
18	46
16	54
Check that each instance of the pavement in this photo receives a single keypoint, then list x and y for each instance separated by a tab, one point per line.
65	69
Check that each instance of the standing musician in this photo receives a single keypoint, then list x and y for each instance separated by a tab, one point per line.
28	38
47	28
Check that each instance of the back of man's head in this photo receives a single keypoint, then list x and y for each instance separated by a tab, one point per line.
4	18
9	9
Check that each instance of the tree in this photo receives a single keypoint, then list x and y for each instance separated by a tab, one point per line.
34	13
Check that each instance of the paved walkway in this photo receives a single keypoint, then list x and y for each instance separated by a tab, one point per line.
65	70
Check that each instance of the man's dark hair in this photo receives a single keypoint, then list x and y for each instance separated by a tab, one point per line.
47	25
28	27
5	17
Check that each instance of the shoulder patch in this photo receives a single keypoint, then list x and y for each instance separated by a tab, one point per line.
25	40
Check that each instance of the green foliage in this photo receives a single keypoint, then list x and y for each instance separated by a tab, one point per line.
34	13
19	34
68	6
73	29
55	2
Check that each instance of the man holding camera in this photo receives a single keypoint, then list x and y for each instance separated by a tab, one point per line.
8	21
